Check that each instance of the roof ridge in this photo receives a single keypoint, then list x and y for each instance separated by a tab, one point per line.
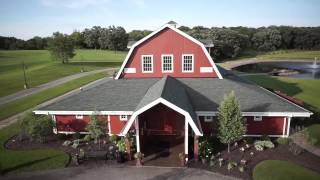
165	78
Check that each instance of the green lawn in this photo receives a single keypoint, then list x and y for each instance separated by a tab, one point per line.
290	54
13	161
42	69
313	134
282	170
306	90
28	102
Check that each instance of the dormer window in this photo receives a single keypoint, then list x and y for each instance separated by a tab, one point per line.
147	63
167	63
123	117
187	63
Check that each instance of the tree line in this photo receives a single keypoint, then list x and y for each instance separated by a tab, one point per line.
229	42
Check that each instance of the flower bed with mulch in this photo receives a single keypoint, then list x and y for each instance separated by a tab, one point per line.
252	157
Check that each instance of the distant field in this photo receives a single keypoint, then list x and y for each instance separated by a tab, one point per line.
290	54
42	69
306	90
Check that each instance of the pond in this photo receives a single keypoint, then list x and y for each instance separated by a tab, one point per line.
303	70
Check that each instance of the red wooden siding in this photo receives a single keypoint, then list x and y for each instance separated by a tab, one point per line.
69	123
268	125
116	124
208	127
168	42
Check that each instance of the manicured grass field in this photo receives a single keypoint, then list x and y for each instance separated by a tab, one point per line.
42	69
313	134
28	102
12	161
282	170
306	90
290	54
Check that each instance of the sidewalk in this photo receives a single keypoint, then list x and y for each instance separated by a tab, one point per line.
33	90
300	140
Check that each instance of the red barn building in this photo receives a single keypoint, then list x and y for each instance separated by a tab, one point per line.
168	90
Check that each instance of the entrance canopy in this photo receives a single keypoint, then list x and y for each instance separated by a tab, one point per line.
167	91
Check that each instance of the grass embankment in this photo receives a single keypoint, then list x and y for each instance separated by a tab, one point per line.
280	54
31	101
41	68
282	170
313	134
306	90
26	160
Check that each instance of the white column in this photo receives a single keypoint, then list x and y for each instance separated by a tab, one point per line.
55	129
186	138
284	126
109	125
288	130
137	134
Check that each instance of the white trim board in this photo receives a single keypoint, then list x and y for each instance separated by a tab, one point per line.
289	114
187	116
179	32
45	112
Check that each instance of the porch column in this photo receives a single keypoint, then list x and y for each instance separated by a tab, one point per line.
196	148
186	138
137	134
288	130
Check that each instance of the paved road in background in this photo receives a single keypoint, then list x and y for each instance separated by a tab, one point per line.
123	173
51	84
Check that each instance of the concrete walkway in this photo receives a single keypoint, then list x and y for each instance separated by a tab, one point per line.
42	87
233	64
123	173
300	139
14	118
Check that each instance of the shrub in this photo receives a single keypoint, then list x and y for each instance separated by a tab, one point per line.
113	138
263	144
76	143
67	143
282	140
265	138
295	149
77	135
241	169
248	140
87	137
36	127
258	147
205	148
121	144
231	165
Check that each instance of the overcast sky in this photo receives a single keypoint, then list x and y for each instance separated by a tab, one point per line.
27	18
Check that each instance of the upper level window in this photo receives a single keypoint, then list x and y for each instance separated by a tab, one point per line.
79	116
123	117
167	63
187	63
208	119
257	118
147	63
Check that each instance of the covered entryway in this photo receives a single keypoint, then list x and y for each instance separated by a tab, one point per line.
161	132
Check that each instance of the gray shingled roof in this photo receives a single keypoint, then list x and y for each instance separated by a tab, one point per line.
190	94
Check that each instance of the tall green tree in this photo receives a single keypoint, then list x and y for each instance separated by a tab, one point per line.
231	124
61	47
96	128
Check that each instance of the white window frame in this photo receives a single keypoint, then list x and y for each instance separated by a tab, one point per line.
208	118
162	62
78	116
182	63
142	63
257	118
123	117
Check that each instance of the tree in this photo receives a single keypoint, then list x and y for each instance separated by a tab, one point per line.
267	39
61	47
36	127
118	38
104	38
96	128
231	124
77	38
136	35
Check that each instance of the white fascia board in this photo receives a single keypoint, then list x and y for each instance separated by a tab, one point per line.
289	114
83	112
179	32
168	104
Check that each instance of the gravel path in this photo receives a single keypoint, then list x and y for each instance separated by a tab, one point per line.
123	173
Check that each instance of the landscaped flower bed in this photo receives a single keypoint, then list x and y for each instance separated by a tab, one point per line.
244	156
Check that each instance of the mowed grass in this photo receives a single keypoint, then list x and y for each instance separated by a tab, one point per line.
290	54
306	90
26	160
41	68
31	101
313	134
282	170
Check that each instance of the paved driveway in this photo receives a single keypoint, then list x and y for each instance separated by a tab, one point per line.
123	173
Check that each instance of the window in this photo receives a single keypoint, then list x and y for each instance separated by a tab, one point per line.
257	118
123	117
167	63
147	63
79	116
208	119
187	63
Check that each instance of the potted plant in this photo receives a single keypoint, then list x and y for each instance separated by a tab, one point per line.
182	158
139	156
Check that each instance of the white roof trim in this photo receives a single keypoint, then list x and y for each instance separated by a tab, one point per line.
167	103
284	114
83	112
179	32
